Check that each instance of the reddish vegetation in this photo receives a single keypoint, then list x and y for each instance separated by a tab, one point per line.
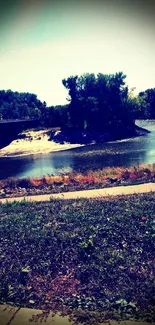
100	176
78	181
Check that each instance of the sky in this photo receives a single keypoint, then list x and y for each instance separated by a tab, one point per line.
43	42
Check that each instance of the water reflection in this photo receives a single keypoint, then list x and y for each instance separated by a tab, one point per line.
41	165
11	167
135	151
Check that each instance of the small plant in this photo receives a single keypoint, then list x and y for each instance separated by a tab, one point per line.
24	183
125	175
35	182
10	182
133	176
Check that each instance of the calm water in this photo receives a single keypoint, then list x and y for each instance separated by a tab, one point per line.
140	150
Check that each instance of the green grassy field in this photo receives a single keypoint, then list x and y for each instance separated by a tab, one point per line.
90	259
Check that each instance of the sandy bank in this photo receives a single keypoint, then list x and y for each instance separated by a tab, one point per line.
35	142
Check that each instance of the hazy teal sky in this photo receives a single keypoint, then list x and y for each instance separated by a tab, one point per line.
42	42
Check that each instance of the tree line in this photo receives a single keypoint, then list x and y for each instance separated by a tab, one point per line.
15	105
94	101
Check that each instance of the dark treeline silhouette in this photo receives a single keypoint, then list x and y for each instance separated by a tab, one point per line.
101	102
15	105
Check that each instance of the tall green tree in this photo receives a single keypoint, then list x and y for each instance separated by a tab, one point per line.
97	101
147	99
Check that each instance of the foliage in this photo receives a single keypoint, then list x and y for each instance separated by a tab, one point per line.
142	105
98	101
56	116
74	181
147	99
15	105
90	259
13	183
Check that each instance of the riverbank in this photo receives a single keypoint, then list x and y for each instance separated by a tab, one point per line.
34	142
71	182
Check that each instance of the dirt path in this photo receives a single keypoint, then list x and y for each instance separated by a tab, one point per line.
112	191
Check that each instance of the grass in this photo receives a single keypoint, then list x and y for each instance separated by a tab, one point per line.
101	178
90	259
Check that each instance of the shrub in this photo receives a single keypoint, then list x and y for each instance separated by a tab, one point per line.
10	182
125	175
24	183
133	176
147	172
57	180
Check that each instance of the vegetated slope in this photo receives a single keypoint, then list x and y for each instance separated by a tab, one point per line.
90	259
77	181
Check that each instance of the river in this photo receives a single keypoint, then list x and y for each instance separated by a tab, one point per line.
128	152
